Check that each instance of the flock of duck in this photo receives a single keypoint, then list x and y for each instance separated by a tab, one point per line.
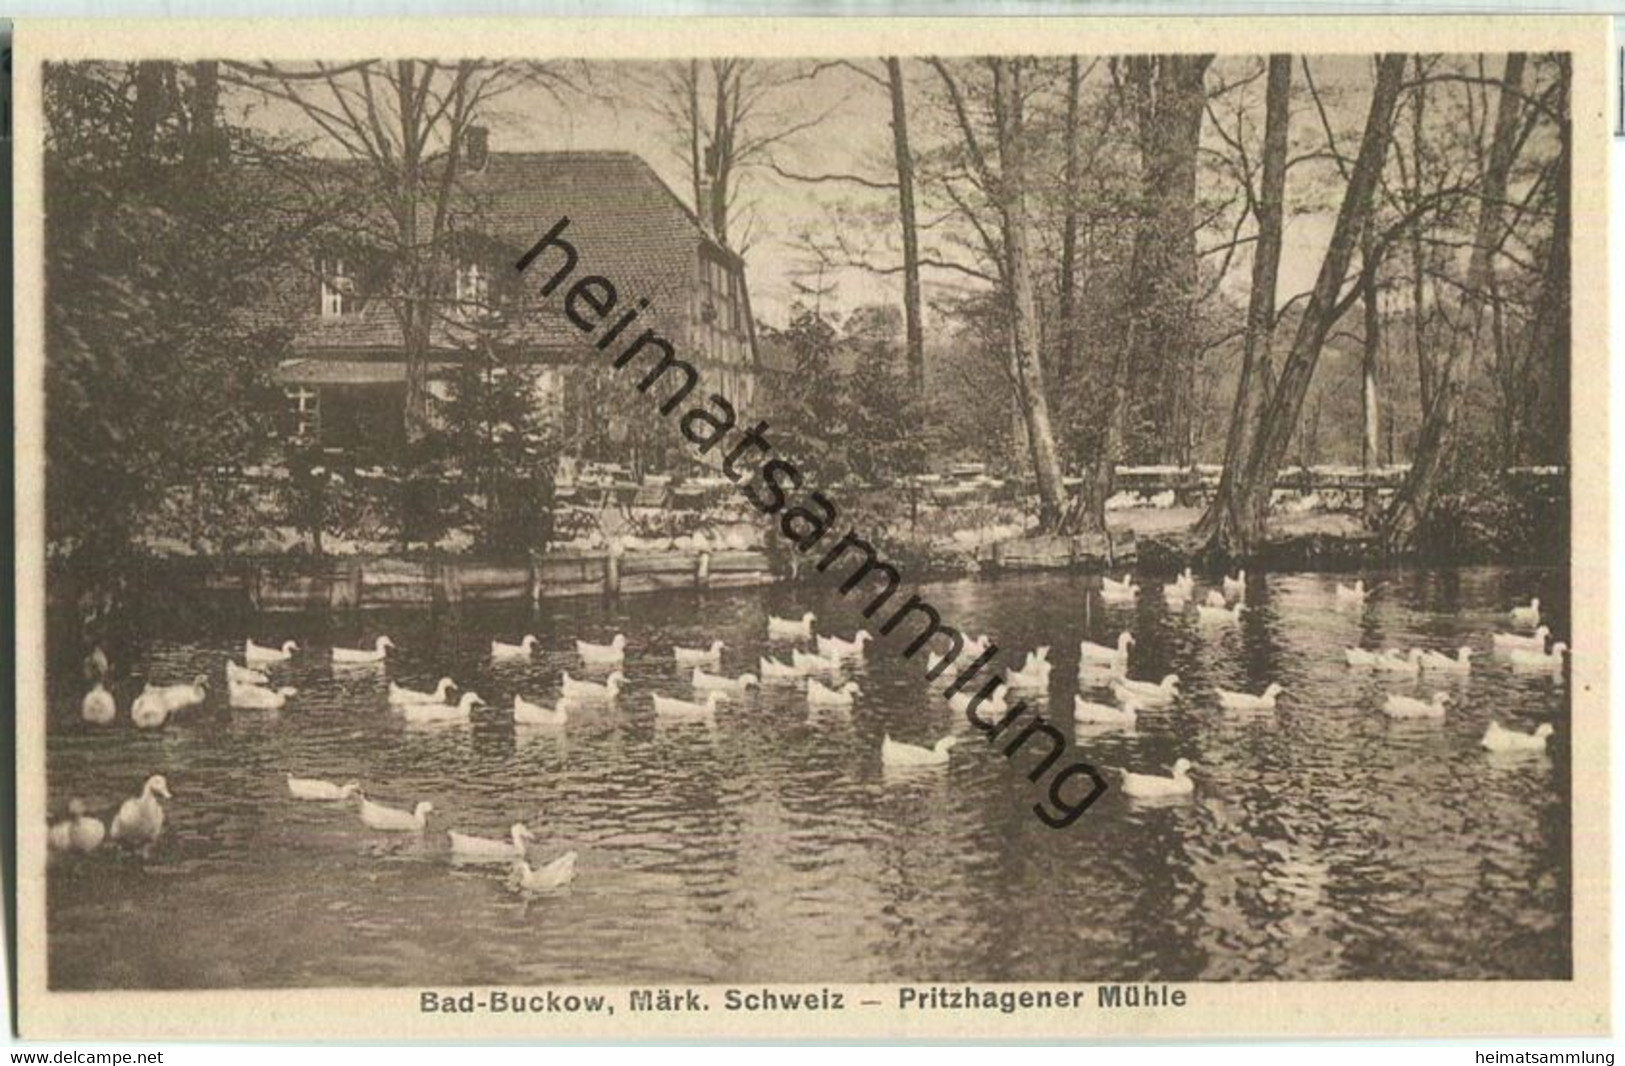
1107	666
139	821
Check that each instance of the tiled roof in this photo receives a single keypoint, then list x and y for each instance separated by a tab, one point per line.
625	223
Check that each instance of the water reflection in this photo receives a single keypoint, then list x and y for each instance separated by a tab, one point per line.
1324	840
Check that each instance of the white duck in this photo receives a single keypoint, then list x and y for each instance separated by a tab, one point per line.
391	820
243	675
78	831
1508	641
821	695
527	713
896	753
669	707
259	653
584	691
141	820
703	680
1351	596
258	697
483	849
1236	586
1147	693
711	656
1219	615
1498	737
975	648
556	874
522	650
1527	616
362	656
1176	595
314	788
1153	786
808	663
401	696
149	711
836	648
1397	706
1118	591
1438	660
1215	598
1530	657
773	670
1106	655
1246	701
790	628
1033	674
1087	713
460	711
180	697
98	706
609	654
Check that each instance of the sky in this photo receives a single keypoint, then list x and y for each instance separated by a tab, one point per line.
853	135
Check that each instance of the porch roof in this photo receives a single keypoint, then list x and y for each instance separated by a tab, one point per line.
349	371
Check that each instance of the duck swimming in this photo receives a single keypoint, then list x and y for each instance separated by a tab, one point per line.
141	820
1152	786
98	707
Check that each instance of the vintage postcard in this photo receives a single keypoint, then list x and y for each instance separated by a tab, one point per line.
928	529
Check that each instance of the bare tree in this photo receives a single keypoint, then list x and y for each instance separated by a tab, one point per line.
1168	100
402	124
1256	380
1443	387
1242	505
723	118
1003	178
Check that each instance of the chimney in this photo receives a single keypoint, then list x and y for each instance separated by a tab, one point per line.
476	147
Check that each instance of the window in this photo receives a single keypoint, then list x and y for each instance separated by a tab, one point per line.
307	413
473	286
338	288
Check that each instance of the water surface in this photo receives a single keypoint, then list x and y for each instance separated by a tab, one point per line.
1324	842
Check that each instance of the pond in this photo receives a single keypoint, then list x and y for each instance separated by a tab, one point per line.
1324	841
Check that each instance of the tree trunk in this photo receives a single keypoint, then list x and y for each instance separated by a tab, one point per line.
1069	230
1280	418
1169	99
1411	503
1253	388
1371	353
1547	363
1023	305
696	171
914	338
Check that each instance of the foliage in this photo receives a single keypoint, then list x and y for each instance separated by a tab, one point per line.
154	377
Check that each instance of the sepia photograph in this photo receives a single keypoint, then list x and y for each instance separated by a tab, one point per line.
1031	531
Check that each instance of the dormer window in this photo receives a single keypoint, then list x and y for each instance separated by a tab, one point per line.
338	288
473	286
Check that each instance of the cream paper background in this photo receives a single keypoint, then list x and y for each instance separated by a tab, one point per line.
1372	1008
